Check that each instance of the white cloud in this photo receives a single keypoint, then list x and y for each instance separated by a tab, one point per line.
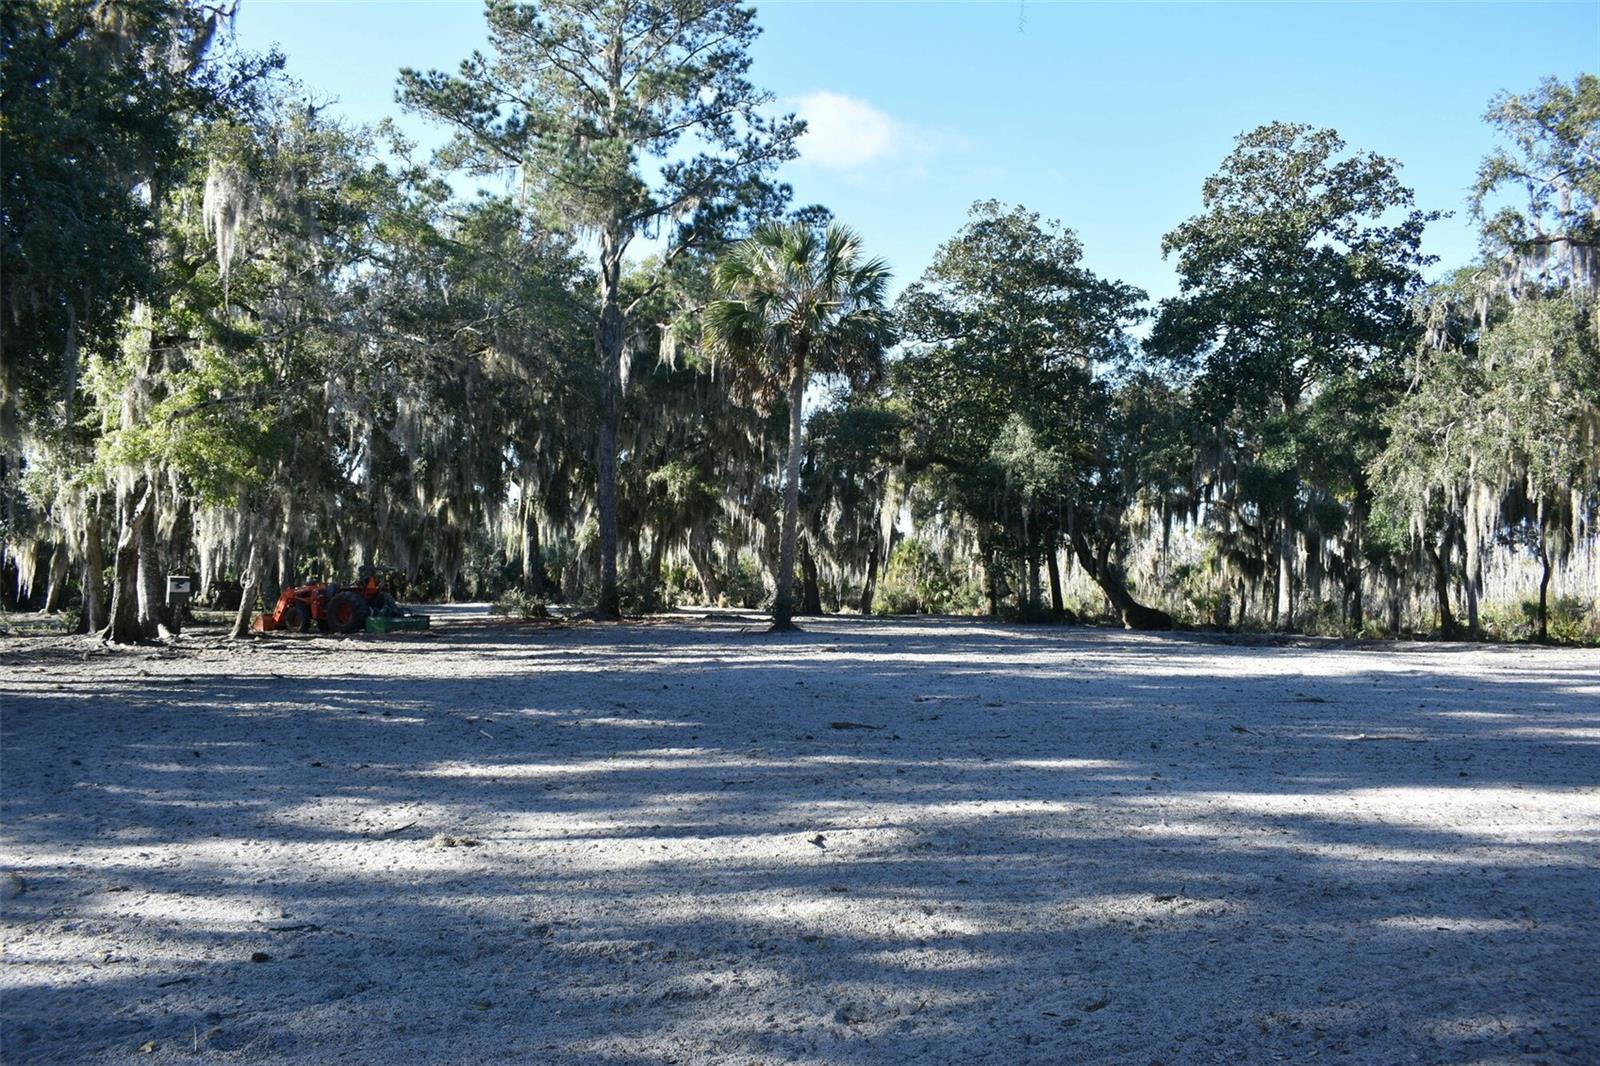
843	133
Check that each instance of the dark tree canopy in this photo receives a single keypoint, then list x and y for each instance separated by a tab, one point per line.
1302	267
100	102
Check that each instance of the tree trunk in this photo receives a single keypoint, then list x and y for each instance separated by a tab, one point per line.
783	600
700	556
1273	577
609	350
56	590
154	615
1439	558
94	565
181	547
1544	593
1395	606
125	626
652	574
1285	614
635	563
262	569
1031	567
1133	614
273	579
870	589
1058	606
811	593
287	568
250	578
41	580
572	581
532	550
1357	579
1473	579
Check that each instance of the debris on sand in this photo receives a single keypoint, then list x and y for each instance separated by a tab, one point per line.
850	1014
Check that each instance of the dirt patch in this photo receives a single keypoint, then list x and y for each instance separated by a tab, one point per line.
918	841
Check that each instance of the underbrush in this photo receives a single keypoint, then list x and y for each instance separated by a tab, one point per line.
919	581
1570	620
646	597
514	603
743	585
39	624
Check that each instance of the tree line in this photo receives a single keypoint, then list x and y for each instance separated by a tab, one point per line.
247	340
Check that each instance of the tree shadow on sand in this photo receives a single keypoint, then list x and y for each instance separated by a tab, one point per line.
1064	845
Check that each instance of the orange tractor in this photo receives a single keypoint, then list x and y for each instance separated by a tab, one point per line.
337	609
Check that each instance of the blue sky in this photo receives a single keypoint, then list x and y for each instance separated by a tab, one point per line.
1107	116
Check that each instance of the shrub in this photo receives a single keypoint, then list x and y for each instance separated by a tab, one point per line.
1570	621
646	597
1504	622
678	580
917	581
744	586
514	603
895	598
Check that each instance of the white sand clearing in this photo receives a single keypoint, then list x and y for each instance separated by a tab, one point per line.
886	842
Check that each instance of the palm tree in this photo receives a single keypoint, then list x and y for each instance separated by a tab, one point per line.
795	302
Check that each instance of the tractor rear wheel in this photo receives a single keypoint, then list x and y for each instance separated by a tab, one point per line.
295	619
347	613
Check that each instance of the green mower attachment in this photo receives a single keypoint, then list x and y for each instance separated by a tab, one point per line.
400	623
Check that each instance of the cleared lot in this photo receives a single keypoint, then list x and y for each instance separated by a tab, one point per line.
650	843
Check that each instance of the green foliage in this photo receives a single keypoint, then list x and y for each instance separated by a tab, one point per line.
853	449
793	302
1004	333
915	581
314	353
625	118
679	580
1007	324
514	603
607	98
97	116
743	585
918	581
1293	275
1570	620
1295	313
1500	432
1554	167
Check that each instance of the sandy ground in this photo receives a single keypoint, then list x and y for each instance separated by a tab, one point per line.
648	843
